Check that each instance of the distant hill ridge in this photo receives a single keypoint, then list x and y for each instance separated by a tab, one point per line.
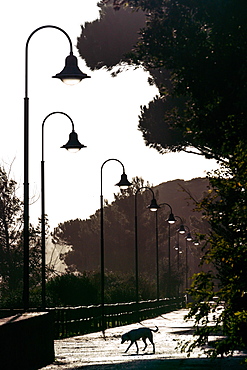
172	192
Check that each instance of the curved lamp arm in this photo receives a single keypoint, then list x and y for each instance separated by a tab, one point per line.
153	205
75	145
188	236
43	123
181	229
26	50
171	219
123	183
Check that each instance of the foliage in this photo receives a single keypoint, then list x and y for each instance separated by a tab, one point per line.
72	290
83	289
120	287
105	41
203	45
195	52
11	247
10	233
157	118
225	209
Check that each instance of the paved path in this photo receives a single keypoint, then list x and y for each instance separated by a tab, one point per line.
91	351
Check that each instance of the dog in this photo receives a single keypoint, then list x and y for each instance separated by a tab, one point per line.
141	333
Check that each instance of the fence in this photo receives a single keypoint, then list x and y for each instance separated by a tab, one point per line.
70	321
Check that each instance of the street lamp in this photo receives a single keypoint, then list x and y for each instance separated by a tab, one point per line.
70	74
123	184
181	229
72	144
152	207
196	242
171	220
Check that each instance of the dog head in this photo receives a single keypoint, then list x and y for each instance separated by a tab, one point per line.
124	338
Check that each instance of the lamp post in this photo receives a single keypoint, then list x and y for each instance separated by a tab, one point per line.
72	144
180	230
177	248
123	184
70	74
171	220
188	238
152	207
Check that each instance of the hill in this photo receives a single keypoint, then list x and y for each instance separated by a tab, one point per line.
176	193
84	235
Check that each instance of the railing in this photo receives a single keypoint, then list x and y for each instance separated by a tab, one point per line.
71	321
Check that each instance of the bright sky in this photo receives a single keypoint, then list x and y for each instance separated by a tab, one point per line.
104	111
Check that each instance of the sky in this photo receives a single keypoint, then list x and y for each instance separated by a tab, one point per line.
104	111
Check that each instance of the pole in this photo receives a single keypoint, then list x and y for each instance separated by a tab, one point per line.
26	208
186	264
169	259
157	256
43	249
136	247
102	254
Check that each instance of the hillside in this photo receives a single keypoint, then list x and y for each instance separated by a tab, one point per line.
175	193
84	235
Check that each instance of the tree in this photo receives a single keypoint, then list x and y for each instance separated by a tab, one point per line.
72	290
225	209
203	46
10	233
105	41
11	246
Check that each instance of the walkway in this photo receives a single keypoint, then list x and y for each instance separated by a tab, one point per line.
91	351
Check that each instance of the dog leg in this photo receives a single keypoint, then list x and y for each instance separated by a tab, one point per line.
153	348
137	349
152	342
128	347
144	340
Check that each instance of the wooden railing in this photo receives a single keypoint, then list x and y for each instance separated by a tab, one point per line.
71	321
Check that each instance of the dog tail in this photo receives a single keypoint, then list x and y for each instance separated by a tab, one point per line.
155	331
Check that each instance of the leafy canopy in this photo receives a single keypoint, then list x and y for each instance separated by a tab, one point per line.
202	44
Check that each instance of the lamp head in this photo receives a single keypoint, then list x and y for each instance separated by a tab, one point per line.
71	74
189	237
171	219
73	143
124	182
181	229
153	205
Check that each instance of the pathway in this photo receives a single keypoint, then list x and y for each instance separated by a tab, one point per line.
92	351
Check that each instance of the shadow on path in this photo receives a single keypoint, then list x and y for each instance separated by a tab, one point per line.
173	364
